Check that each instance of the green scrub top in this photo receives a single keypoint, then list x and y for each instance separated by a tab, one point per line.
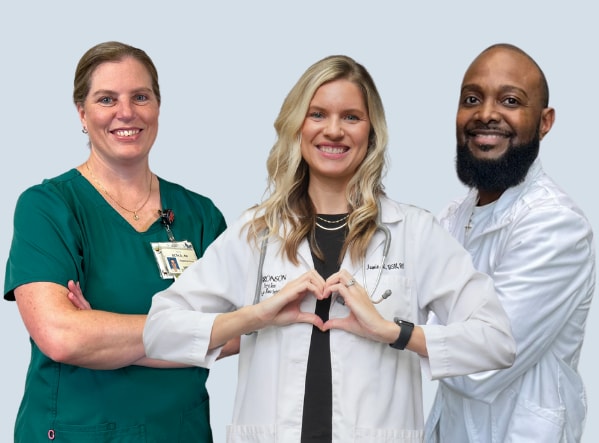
64	229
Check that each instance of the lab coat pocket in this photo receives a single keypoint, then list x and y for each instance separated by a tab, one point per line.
532	423
388	436
251	434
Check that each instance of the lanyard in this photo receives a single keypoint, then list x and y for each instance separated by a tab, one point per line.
167	217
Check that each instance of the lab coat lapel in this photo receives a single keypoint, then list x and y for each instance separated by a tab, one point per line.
305	255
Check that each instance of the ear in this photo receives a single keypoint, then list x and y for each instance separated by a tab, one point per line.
547	119
81	113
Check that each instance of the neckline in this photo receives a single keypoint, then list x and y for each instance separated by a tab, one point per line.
116	215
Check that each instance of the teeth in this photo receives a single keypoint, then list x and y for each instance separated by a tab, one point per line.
127	133
332	150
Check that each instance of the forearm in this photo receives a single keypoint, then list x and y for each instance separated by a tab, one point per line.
417	342
97	340
154	363
230	325
88	338
104	354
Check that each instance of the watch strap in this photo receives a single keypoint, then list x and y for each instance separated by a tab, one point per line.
405	333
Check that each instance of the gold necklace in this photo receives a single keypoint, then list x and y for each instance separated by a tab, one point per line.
336	228
332	222
101	186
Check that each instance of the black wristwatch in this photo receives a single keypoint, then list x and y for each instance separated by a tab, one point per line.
405	332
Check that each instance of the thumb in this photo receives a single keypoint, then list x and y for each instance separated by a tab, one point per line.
335	323
311	318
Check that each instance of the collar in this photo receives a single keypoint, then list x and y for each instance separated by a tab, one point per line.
504	209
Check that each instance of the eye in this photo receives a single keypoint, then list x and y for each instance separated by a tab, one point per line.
470	100
317	115
141	98
511	101
352	118
106	101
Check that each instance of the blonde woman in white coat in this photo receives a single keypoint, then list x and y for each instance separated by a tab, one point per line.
323	276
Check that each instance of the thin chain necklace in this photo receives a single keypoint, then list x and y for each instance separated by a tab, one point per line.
332	222
101	186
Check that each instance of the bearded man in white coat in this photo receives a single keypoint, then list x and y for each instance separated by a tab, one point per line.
536	244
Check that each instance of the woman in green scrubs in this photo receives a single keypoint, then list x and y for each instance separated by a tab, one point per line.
110	225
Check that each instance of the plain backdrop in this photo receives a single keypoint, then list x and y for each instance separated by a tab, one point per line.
225	68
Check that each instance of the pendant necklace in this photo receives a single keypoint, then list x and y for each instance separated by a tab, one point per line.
469	225
103	189
332	222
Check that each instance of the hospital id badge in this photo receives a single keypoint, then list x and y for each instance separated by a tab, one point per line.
173	257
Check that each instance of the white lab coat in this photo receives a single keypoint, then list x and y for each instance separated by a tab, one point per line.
376	389
538	248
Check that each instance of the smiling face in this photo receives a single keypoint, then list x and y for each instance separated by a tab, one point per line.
335	133
501	116
120	111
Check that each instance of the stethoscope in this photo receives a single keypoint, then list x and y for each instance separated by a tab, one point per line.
387	233
387	244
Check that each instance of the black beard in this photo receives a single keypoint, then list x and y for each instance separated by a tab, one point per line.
500	174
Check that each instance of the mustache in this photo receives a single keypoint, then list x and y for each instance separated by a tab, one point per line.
479	126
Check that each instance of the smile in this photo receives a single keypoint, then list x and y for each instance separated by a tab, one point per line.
485	139
126	133
332	149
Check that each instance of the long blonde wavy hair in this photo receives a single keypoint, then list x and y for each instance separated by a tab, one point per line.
288	211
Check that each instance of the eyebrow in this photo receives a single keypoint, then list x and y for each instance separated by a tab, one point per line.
348	110
111	92
502	88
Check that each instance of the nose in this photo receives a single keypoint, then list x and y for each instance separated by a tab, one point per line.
125	110
488	112
333	129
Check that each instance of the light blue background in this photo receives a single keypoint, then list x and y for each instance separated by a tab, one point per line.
225	68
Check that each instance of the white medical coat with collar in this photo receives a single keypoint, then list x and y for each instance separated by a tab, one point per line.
376	389
538	248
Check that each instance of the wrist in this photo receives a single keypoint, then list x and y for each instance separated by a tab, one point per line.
405	333
252	318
